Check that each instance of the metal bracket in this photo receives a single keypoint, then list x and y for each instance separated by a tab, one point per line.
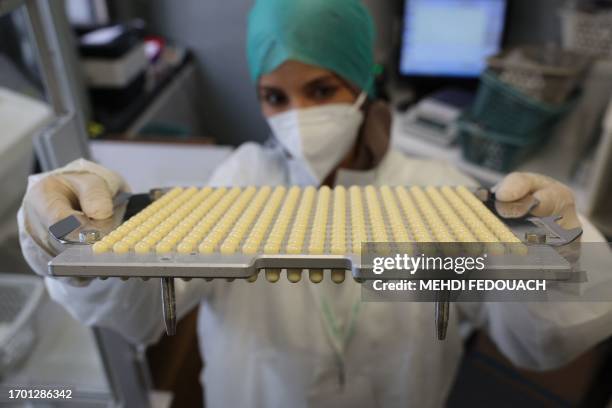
64	233
556	235
61	230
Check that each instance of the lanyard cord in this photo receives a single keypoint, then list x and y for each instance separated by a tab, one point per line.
339	339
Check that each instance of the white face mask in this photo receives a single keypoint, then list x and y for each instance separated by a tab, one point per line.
319	137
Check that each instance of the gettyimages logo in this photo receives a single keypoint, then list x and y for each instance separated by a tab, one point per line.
422	262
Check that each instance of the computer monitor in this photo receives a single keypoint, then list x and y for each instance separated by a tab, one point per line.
450	38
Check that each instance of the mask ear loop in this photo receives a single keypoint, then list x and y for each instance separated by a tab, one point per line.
364	93
360	100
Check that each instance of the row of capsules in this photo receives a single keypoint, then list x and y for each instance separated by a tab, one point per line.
455	215
379	237
276	236
255	238
171	223
400	235
318	234
299	229
494	224
438	230
223	219
466	241
483	234
123	237
308	216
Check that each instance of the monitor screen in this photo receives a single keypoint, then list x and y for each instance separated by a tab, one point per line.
450	38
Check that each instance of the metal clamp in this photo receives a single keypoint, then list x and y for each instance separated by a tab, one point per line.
60	231
64	233
555	234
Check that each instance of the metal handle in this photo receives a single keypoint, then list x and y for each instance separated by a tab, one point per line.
169	305
442	315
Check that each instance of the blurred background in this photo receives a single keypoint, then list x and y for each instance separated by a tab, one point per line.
160	92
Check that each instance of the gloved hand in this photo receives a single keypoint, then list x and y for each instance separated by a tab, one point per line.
57	196
81	187
554	197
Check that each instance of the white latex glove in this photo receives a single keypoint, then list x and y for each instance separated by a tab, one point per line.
57	196
554	197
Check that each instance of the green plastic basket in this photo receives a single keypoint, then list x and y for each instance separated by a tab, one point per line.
495	150
502	108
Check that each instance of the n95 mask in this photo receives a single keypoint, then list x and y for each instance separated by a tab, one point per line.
318	137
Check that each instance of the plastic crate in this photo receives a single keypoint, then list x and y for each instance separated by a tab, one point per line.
548	74
494	150
19	299
501	107
588	33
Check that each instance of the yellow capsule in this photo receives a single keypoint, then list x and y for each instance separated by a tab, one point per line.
130	240
337	275
338	249
121	247
293	249
163	248
113	237
150	240
316	249
122	230
249	248
100	247
294	275
206	248
191	239
272	248
315	275
185	247
142	248
228	248
273	275
155	234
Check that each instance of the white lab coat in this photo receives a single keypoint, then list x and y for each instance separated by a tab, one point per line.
270	345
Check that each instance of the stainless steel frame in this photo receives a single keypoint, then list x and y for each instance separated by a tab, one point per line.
65	140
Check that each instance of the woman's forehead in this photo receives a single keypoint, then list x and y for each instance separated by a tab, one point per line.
294	72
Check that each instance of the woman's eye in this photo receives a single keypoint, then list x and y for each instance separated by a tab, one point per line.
275	98
324	92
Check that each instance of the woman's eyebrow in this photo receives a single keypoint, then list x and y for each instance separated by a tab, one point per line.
262	88
327	80
321	79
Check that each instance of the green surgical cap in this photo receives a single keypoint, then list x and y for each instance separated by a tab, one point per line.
337	35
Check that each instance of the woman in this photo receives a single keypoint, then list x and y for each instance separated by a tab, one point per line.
284	344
